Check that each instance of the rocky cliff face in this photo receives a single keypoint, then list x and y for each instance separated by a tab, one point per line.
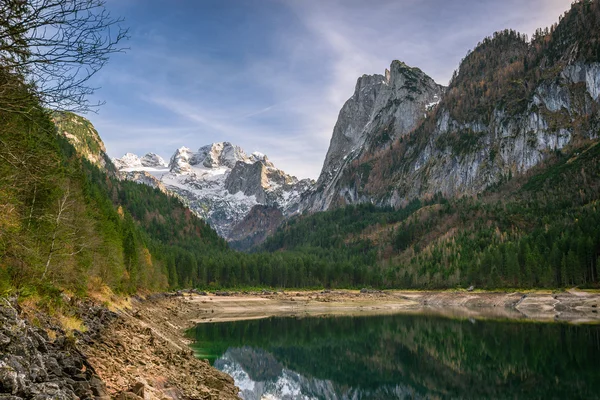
32	366
402	136
260	222
466	157
220	182
382	109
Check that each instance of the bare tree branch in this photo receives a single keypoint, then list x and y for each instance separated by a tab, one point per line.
57	46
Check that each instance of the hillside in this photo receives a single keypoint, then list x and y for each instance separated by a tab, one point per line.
67	224
509	106
492	181
540	230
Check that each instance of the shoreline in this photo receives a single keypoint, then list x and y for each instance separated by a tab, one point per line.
147	345
137	348
543	306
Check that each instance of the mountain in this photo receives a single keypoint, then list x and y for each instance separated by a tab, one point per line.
382	109
496	185
509	106
83	137
220	182
492	181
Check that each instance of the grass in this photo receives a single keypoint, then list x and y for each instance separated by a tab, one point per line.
99	291
71	324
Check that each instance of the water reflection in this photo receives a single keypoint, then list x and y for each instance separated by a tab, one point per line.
396	357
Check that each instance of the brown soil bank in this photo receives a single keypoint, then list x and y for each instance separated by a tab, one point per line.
143	354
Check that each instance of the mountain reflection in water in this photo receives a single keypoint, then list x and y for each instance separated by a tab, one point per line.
400	356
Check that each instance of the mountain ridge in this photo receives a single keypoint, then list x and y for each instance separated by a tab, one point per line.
508	106
220	182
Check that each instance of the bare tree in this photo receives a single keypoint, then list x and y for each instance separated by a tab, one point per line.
56	46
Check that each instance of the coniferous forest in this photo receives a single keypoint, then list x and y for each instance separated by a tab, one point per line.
69	224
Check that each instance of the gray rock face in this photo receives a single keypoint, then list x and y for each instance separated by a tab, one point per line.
262	180
34	367
506	145
588	73
446	156
382	109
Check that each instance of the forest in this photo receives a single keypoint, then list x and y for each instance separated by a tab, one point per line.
67	224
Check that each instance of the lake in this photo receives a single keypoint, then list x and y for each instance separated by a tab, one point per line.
403	357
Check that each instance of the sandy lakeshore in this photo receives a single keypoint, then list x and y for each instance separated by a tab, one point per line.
570	306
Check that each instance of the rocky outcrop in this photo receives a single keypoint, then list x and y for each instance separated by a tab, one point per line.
382	109
137	353
34	366
458	158
266	183
396	139
83	136
260	223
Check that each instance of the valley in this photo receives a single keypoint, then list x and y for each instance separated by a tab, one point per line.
450	246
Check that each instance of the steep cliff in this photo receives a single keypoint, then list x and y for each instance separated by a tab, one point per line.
382	109
511	103
85	139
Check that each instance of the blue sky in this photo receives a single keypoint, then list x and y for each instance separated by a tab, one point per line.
272	75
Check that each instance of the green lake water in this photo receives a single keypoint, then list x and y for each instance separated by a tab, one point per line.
404	356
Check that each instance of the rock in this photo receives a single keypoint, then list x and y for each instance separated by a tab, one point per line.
401	96
129	396
33	367
138	389
4	340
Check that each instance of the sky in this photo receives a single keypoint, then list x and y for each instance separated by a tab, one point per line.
272	75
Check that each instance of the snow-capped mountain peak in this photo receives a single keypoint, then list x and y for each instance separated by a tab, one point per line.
153	160
222	154
180	160
220	182
129	160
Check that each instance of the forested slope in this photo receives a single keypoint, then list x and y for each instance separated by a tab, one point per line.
540	230
66	224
